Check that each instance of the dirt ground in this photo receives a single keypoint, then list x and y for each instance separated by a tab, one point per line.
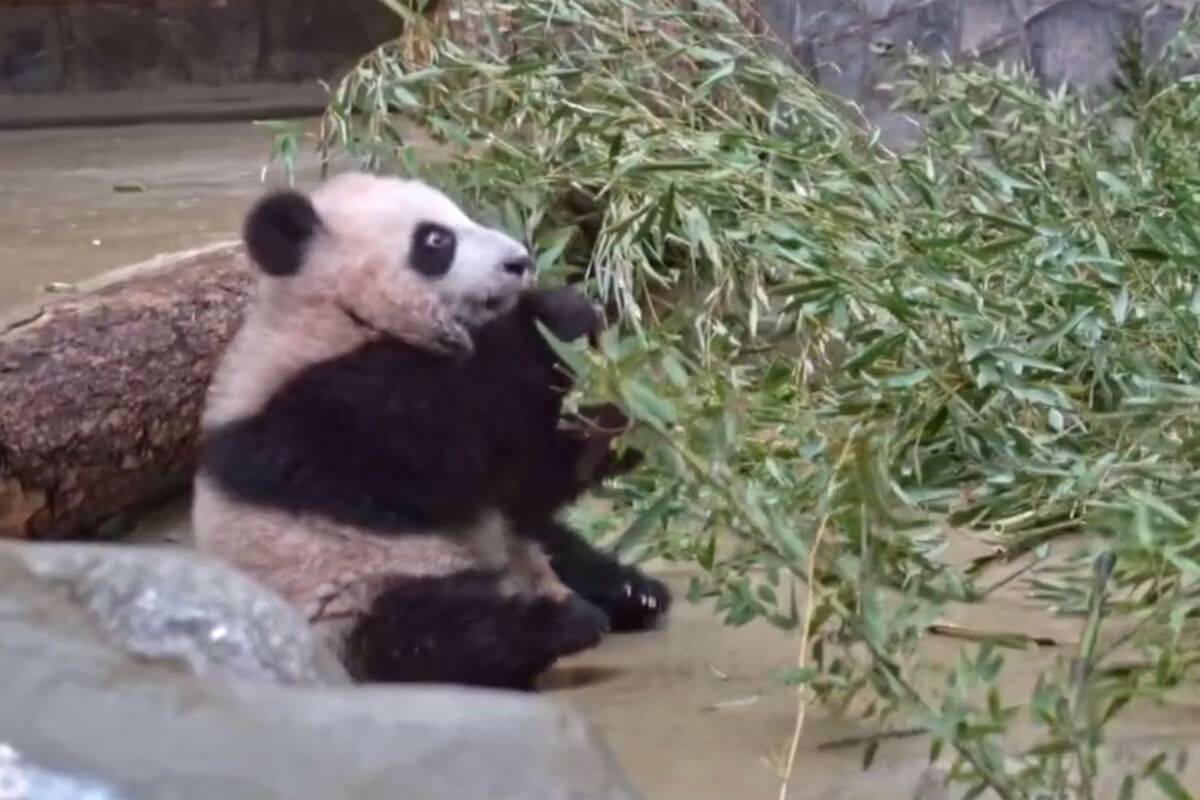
688	710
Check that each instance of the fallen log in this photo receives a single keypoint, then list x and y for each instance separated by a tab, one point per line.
101	390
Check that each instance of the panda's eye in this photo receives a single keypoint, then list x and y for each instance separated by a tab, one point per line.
437	238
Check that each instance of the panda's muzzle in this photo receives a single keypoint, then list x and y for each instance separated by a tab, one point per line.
518	267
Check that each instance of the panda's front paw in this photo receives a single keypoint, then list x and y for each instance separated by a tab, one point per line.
639	601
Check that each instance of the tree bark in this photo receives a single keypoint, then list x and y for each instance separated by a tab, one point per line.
101	391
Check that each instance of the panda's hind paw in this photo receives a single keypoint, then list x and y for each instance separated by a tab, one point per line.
568	626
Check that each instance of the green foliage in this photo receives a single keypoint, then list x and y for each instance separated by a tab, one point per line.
285	146
994	332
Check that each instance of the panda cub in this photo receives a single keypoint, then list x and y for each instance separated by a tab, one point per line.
371	431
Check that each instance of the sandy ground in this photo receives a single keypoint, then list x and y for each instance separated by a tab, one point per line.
688	710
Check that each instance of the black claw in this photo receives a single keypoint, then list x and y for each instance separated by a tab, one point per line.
639	604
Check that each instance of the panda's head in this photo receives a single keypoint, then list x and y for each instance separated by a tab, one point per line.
390	257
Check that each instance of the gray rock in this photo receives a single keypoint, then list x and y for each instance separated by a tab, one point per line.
878	9
898	132
1077	42
781	19
179	607
930	27
79	718
1160	26
22	779
835	40
985	27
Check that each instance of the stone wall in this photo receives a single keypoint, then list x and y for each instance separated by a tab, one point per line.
90	45
843	42
112	44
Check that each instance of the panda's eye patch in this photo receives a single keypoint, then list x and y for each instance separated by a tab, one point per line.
432	249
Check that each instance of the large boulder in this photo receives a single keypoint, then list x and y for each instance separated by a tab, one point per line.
114	689
177	607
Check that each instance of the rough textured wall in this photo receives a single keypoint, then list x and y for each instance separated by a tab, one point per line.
87	45
842	42
110	44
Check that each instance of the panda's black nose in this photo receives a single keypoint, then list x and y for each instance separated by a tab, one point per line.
518	266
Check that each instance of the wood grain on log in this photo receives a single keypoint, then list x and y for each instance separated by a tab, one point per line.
101	391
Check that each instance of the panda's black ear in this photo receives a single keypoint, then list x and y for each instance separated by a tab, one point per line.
566	311
278	229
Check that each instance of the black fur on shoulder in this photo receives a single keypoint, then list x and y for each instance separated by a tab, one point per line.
386	438
392	437
462	629
277	231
